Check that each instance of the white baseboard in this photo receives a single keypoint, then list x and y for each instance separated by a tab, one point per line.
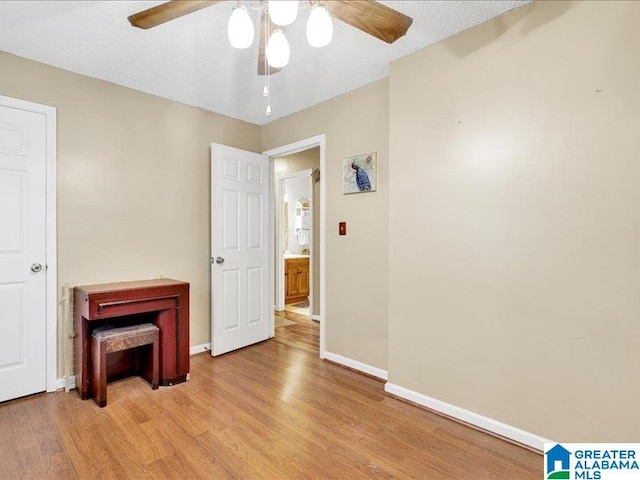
61	383
356	365
315	317
480	421
199	348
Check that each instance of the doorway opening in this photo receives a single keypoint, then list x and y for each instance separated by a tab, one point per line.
298	221
296	257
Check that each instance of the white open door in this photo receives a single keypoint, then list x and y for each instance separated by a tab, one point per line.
240	248
23	323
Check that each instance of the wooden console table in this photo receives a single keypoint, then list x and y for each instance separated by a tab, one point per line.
163	302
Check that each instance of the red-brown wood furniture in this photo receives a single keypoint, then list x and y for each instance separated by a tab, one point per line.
163	302
110	340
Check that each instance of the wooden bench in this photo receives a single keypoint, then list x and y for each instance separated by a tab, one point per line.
109	340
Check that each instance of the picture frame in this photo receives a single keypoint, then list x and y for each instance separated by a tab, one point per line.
360	173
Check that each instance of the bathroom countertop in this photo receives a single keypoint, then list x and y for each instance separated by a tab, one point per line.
295	255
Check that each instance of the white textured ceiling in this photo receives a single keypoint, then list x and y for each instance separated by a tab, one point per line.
190	60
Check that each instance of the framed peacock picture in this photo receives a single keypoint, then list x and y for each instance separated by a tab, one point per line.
360	173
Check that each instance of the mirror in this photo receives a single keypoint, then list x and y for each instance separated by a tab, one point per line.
285	222
303	220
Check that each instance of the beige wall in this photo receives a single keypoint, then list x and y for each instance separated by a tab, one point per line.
309	159
133	180
515	220
356	264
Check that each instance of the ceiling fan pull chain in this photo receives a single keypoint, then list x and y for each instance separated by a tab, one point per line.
268	80
266	93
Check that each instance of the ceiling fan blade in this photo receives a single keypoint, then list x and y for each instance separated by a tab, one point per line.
265	30
165	12
371	17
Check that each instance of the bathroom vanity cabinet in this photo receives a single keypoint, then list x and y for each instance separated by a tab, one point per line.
296	271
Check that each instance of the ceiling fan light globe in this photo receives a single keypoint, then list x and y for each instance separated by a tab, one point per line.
283	12
319	27
240	28
278	50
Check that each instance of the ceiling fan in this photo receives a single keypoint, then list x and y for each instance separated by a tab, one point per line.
369	16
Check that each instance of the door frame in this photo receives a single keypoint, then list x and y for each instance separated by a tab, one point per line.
282	151
51	270
283	177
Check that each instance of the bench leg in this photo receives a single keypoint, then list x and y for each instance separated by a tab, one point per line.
155	375
99	371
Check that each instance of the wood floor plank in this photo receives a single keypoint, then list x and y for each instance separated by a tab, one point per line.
303	334
267	411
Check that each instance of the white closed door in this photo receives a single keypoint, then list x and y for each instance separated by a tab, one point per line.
240	248
22	253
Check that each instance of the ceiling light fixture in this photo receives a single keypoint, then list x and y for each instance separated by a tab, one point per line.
280	13
240	28
278	50
319	27
283	12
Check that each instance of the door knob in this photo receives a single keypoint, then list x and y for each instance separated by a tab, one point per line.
36	267
219	260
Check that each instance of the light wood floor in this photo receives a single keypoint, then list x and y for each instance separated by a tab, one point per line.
267	411
299	332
